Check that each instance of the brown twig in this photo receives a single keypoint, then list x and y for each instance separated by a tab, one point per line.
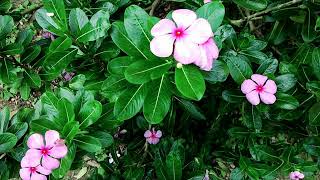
153	7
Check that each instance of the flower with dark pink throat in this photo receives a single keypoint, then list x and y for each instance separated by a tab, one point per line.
259	88
296	175
46	151
153	136
31	172
181	36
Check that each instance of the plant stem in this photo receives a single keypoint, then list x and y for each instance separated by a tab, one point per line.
153	6
27	11
280	6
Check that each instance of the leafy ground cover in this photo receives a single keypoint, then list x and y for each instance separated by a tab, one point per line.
164	89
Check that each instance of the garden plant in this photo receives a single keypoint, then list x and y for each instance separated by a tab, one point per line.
159	89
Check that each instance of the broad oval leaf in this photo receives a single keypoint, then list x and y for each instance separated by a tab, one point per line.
88	143
314	115
213	12
7	142
239	69
6	25
89	113
286	101
119	65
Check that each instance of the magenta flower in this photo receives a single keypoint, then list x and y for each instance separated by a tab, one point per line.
208	52
153	137
46	154
296	175
183	34
259	87
29	172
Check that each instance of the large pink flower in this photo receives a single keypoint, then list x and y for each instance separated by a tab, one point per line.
30	172
208	52
259	87
296	175
46	154
153	136
183	35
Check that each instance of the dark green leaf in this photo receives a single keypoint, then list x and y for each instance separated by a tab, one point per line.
88	143
218	73
7	142
239	69
285	82
286	101
252	4
89	113
314	115
119	65
213	12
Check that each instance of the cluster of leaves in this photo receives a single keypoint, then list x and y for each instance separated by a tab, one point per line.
121	89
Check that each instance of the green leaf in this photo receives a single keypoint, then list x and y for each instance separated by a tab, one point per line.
114	83
70	130
4	119
30	54
190	82
236	174
251	117
119	65
121	39
130	102
174	166
58	9
33	78
77	20
285	82
213	12
158	101
66	162
77	82
144	71
252	4
219	72
88	143
136	23
18	129
193	109
43	125
47	23
314	115
7	142
5	5
308	32
233	96
25	90
100	20
160	167
268	67
239	69
286	101
12	49
6	26
134	173
60	44
6	72
303	55
65	112
108	51
25	37
278	34
89	113
311	145
105	138
316	62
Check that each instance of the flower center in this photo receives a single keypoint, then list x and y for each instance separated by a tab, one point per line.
44	151
33	169
178	33
259	88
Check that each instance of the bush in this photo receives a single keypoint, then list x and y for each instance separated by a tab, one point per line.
168	90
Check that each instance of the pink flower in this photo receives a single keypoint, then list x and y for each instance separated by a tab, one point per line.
181	36
153	136
207	1
258	87
208	52
46	154
29	172
296	175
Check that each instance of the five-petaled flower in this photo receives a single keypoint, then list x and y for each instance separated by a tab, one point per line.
296	175
48	153
153	136
259	87
188	38
30	172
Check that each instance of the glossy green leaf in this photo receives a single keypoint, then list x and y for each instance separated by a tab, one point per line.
278	34
6	25
286	101
65	112
89	113
316	62
308	32
43	125
174	166
7	142
213	12
233	96
30	54
314	115
32	78
252	4
5	5
239	69
218	73
285	82
119	65
77	20
4	119
58	9
60	44
88	143
70	130
47	23
18	129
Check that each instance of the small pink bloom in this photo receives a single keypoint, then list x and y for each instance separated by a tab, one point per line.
29	172
180	36
46	154
153	136
208	52
207	1
296	175
259	87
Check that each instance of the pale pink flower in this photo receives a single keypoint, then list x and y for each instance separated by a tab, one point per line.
30	172
296	175
207	1
46	154
153	137
181	36
208	52
259	87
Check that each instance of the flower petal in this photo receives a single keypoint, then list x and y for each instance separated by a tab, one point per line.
248	86
301	176
184	17
32	158
211	48
186	52
158	134
153	140
35	141
267	98
59	151
147	134
270	87
51	137
25	174
43	170
50	163
259	79
208	52
164	26
36	176
253	98
199	32
162	46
